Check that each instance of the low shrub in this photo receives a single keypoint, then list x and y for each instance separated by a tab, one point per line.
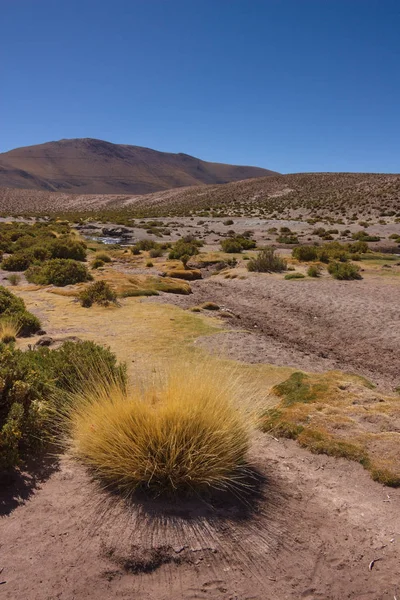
103	257
314	271
97	263
364	236
34	386
14	278
305	253
344	271
19	261
67	248
267	261
231	246
156	252
294	276
237	243
185	247
98	292
13	307
58	272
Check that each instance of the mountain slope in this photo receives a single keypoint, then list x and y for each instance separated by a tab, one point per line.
340	194
89	166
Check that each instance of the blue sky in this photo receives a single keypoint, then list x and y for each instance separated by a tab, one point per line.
290	85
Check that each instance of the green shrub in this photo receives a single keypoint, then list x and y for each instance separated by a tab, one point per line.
344	271
58	272
185	246
305	253
363	236
34	386
12	306
314	271
288	239
228	222
231	245
97	263
156	252
17	262
237	243
66	248
267	261
294	276
14	278
143	245
98	292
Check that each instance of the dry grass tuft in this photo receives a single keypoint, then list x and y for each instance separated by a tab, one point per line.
9	329
181	433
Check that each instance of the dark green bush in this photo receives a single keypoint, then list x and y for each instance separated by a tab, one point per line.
267	261
59	272
67	248
231	245
98	292
34	386
363	236
305	253
19	261
344	271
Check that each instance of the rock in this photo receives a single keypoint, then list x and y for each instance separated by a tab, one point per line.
115	231
45	341
41	332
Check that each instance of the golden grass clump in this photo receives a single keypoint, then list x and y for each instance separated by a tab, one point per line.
181	433
9	329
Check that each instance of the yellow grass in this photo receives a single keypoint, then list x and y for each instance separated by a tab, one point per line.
185	430
9	329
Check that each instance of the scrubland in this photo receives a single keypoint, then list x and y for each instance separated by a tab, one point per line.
208	407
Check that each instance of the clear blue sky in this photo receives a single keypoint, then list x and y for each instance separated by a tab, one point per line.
290	85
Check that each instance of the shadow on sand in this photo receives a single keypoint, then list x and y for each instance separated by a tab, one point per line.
18	485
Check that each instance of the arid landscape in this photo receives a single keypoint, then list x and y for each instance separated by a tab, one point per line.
272	305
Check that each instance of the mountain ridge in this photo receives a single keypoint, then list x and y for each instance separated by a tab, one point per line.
88	165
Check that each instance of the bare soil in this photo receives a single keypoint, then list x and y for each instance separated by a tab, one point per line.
312	532
314	325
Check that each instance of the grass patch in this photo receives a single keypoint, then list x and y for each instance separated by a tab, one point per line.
339	415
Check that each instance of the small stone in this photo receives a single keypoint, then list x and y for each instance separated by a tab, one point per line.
45	341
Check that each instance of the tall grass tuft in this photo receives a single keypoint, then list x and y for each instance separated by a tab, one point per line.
9	329
181	433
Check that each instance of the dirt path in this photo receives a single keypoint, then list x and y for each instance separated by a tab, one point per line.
312	325
313	534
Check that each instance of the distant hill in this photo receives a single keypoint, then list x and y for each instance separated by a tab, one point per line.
89	166
307	194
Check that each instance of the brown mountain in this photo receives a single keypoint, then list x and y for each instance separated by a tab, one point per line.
88	166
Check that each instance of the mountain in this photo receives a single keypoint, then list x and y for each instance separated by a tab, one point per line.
89	166
330	194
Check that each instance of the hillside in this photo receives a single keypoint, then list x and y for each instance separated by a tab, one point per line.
93	166
342	194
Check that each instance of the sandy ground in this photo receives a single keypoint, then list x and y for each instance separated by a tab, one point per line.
312	532
314	325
